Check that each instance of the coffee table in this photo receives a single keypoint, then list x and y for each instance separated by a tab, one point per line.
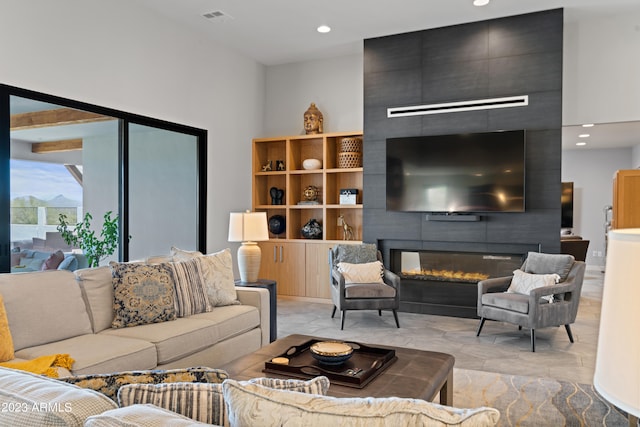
416	374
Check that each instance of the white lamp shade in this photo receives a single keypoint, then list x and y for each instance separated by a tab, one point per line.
617	373
248	227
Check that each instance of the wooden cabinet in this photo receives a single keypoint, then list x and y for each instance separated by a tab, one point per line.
626	199
300	266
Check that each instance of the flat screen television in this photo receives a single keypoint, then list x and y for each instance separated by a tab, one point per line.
566	205
472	172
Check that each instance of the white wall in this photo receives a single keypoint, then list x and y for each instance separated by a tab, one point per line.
117	55
335	85
592	174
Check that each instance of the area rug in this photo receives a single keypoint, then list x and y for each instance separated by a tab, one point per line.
530	401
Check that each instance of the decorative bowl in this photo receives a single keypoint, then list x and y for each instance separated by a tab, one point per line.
331	352
311	164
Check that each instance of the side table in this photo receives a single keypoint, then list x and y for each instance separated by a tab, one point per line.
273	303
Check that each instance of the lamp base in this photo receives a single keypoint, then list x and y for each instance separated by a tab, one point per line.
249	255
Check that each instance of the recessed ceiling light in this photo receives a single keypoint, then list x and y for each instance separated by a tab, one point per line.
324	29
587	125
480	2
581	143
584	135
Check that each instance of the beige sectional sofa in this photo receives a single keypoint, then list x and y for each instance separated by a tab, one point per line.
63	312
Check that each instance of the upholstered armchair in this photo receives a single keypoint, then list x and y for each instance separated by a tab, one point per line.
529	302
359	281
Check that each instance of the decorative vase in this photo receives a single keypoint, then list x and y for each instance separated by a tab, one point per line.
277	224
311	230
311	164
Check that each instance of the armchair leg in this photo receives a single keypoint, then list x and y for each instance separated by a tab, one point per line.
482	320
379	312
519	327
568	328
395	315
533	340
343	314
333	313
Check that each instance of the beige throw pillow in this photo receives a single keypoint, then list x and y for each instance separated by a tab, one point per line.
524	283
369	272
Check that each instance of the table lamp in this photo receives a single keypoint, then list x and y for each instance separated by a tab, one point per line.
617	373
248	228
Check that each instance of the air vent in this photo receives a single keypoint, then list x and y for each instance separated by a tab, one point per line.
454	107
217	16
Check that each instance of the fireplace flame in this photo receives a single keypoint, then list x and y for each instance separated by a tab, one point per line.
449	275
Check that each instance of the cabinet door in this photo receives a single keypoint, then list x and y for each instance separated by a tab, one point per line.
626	204
317	271
284	262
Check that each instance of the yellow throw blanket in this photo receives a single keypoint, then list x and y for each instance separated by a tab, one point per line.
43	365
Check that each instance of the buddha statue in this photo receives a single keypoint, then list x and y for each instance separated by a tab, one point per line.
313	120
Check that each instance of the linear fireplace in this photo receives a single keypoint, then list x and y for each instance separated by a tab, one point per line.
445	282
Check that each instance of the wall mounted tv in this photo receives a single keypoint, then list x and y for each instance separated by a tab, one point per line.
472	172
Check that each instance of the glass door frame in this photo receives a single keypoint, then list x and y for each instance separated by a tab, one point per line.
124	119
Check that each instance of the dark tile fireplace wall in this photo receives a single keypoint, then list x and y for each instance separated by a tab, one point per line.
518	55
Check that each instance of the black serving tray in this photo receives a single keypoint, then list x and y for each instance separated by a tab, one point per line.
365	364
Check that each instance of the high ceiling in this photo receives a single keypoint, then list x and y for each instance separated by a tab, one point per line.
282	31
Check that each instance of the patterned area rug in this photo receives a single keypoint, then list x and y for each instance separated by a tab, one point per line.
530	401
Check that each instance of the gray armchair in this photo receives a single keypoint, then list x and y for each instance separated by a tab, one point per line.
532	311
361	296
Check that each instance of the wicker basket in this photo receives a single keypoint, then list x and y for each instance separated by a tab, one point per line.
351	145
349	160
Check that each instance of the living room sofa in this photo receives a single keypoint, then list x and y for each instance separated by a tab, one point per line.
64	312
32	260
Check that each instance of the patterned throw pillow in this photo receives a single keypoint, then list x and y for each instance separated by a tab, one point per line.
524	283
109	384
252	404
369	272
142	294
218	276
191	296
356	254
205	402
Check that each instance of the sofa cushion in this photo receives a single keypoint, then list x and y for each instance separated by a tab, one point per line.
36	299
205	402
191	296
109	384
97	353
97	290
252	404
6	341
142	293
185	336
46	401
508	301
140	416
369	290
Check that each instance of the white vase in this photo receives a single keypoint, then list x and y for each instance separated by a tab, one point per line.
311	164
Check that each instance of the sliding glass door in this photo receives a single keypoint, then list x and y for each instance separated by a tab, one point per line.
64	156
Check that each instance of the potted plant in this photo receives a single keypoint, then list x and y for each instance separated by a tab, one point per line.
95	247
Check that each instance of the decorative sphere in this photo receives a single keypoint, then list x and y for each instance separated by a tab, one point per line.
277	224
311	164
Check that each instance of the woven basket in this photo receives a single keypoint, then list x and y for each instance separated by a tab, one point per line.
351	145
349	160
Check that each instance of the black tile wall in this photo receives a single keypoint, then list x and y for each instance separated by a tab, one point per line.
518	55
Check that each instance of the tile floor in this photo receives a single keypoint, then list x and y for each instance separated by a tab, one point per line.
500	348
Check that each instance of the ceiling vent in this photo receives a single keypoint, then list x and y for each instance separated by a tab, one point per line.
217	16
452	107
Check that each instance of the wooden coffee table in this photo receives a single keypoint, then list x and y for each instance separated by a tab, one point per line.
416	374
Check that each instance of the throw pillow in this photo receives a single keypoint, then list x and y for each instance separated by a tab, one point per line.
524	283
142	294
205	402
70	263
253	404
559	264
191	296
217	270
53	261
109	384
6	341
370	272
355	254
139	416
178	254
31	264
